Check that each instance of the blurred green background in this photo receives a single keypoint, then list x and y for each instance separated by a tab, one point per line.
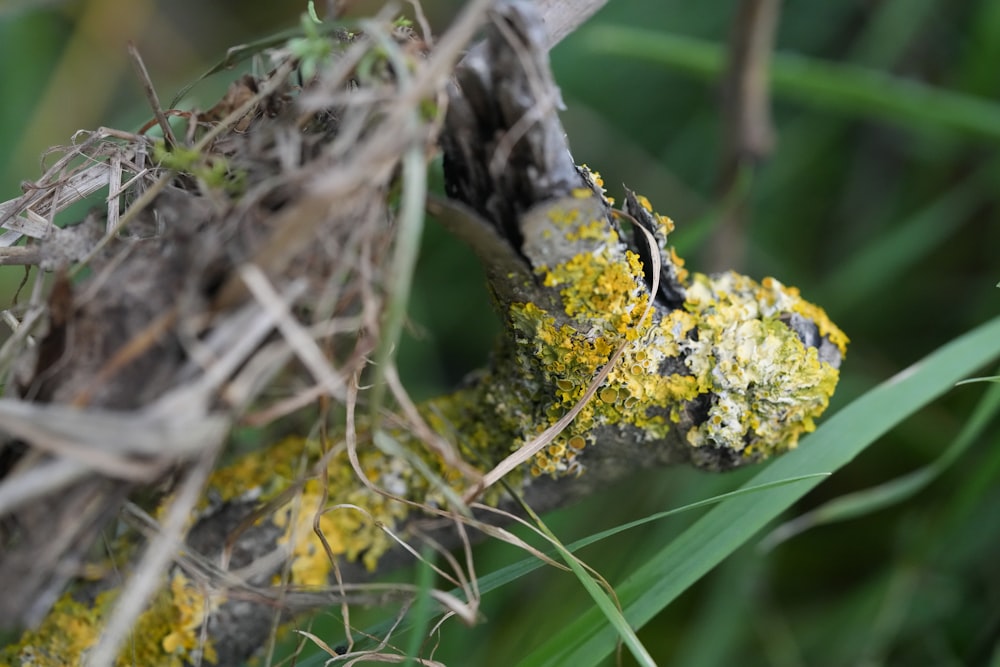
881	207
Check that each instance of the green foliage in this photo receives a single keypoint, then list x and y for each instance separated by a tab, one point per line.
313	48
214	172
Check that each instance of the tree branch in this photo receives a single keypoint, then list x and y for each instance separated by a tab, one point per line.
606	334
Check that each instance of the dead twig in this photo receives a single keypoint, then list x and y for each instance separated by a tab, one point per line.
748	131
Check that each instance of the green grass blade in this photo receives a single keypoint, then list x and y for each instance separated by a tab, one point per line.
596	592
423	608
859	503
601	598
409	229
587	639
885	259
989	378
505	575
243	52
845	88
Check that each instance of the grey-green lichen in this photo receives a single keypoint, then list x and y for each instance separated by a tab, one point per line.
768	386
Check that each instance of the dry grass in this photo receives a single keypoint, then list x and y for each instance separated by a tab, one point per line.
261	231
247	265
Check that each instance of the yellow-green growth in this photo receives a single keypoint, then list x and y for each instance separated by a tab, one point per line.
213	170
728	347
348	531
167	634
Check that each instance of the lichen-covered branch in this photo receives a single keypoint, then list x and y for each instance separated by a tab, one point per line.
718	371
725	372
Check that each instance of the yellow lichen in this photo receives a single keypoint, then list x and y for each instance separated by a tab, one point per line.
678	262
192	608
603	294
769	387
67	632
764	385
255	476
347	531
601	291
595	182
166	634
348	524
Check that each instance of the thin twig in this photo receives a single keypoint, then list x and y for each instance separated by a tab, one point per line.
749	134
20	256
150	92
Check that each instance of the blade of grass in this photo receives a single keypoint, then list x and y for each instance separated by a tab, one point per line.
529	564
884	259
988	378
604	602
719	622
243	52
422	612
846	88
410	226
981	48
890	29
586	640
859	503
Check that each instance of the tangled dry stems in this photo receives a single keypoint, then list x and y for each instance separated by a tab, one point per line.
275	241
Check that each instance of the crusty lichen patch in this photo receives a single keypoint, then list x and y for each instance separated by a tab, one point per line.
350	514
167	634
728	348
189	607
768	386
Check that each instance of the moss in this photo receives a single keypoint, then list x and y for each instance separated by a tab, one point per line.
213	170
178	158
